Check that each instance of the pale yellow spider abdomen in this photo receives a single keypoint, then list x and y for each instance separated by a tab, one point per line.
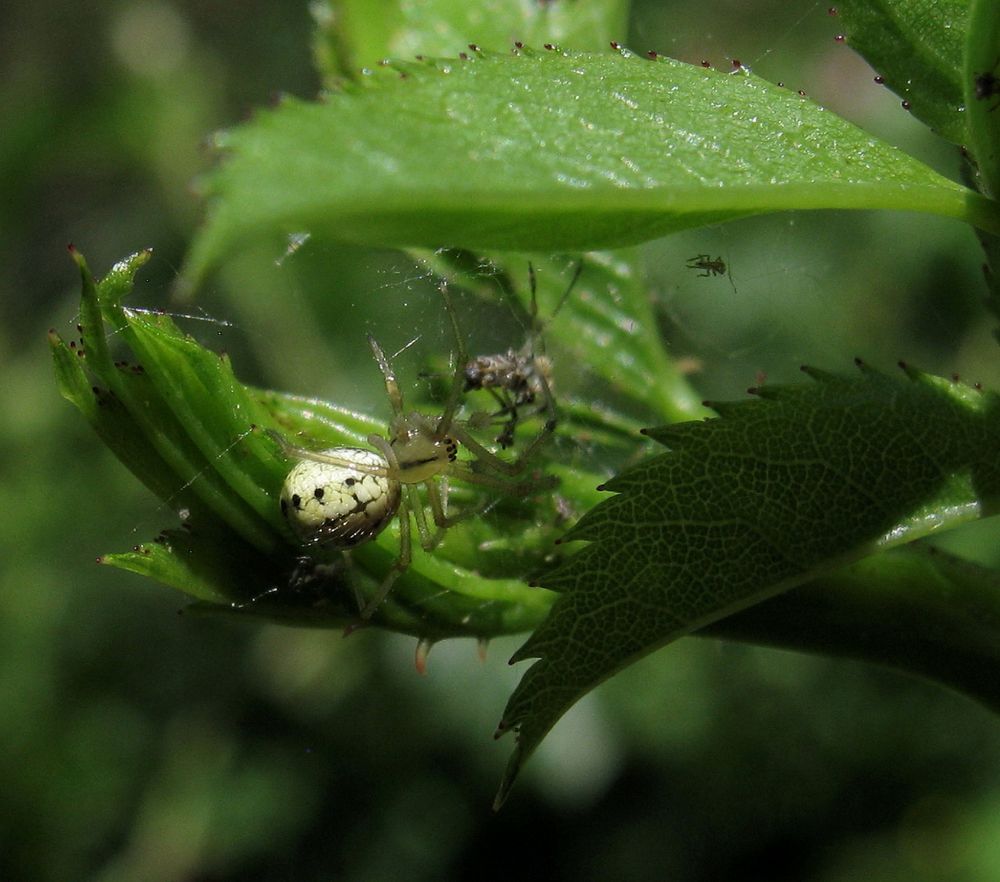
334	502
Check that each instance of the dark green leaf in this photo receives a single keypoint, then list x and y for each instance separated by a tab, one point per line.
770	495
916	609
917	46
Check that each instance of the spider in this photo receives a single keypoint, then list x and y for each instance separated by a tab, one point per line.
709	266
346	496
517	378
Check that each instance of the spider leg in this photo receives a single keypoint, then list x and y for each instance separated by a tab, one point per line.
294	452
391	383
533	287
399	566
437	499
402	563
428	540
501	397
508	409
506	437
569	289
496	463
530	487
548	408
537	327
353	579
461	359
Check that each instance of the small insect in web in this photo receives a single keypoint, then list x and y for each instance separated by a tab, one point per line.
709	266
519	378
987	85
346	496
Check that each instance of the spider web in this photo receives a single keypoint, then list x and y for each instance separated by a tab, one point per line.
816	287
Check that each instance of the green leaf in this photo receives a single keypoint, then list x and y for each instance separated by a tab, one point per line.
917	46
982	97
550	151
772	494
352	33
190	418
213	568
916	609
177	416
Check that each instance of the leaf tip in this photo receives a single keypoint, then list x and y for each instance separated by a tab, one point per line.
825	376
522	653
509	777
351	627
424	645
79	260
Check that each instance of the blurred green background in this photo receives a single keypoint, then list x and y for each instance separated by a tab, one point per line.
136	744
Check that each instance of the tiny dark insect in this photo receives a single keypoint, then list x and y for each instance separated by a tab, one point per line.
709	266
987	85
